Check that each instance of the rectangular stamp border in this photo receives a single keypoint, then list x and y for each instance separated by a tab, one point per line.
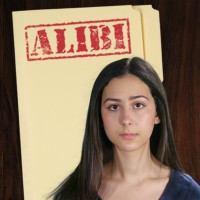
83	55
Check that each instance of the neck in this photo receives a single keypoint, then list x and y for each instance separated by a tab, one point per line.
138	164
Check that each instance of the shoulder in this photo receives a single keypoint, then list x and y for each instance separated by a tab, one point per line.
188	184
182	186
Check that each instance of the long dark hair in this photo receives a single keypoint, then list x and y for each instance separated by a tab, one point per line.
84	182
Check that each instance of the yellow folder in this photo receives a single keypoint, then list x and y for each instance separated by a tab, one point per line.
59	53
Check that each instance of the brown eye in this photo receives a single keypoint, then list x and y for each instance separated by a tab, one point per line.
138	105
113	107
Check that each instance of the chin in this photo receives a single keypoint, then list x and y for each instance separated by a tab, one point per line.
128	148
132	147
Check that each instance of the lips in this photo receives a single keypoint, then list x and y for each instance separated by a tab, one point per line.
128	135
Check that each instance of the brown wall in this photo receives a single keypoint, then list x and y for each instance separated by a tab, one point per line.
180	34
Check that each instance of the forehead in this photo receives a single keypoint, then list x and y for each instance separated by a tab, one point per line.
127	84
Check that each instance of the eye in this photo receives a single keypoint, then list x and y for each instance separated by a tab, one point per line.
113	107
138	105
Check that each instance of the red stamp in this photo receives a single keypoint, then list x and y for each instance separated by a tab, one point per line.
78	39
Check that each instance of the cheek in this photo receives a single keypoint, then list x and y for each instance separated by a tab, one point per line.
110	128
109	122
146	122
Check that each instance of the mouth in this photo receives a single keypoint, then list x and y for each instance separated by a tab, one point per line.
128	135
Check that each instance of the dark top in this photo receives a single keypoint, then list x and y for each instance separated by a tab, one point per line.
180	187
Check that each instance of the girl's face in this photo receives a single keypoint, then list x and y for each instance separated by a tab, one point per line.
129	113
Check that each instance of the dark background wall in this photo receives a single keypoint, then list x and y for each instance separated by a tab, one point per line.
180	35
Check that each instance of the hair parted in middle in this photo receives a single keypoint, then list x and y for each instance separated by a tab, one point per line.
97	150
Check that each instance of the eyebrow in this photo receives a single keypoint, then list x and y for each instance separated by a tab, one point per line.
130	98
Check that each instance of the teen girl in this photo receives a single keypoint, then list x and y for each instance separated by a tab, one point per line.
128	150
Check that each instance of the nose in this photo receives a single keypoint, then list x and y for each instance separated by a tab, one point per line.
126	118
